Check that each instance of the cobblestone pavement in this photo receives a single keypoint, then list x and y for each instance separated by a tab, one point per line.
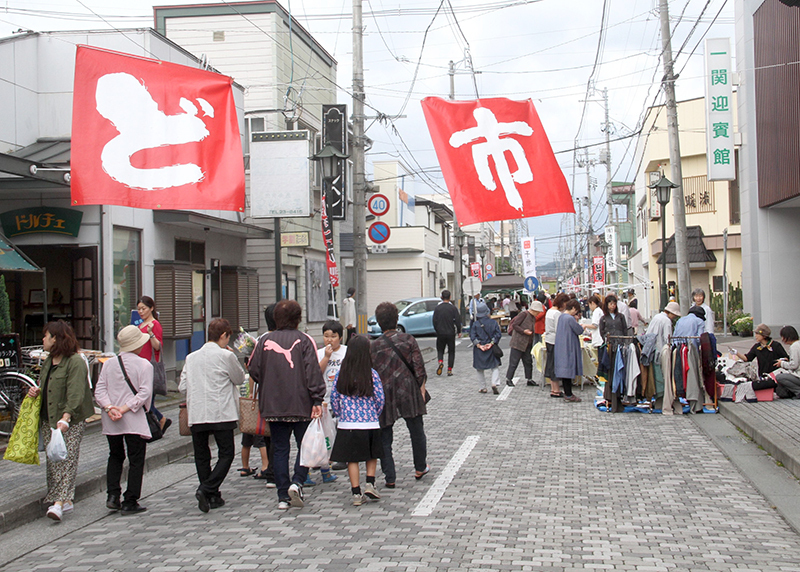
548	486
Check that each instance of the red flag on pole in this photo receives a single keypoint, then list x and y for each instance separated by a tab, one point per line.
153	135
496	159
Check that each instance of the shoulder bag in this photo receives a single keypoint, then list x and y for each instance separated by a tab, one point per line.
152	422
408	365
497	351
159	374
250	420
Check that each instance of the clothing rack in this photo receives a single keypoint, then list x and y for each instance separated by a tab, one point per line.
715	403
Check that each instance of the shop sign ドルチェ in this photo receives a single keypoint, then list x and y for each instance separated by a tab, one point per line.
41	219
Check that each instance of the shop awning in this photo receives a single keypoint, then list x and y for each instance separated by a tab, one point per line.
13	259
503	282
208	222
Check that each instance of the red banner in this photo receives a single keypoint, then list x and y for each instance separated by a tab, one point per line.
598	271
327	236
475	269
153	135
496	159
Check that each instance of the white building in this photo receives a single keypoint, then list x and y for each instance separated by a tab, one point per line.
193	263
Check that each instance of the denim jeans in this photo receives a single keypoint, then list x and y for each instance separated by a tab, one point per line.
211	479
419	447
281	433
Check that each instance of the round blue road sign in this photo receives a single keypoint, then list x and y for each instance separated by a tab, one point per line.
531	284
379	232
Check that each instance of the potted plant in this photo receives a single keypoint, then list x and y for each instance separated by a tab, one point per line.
743	326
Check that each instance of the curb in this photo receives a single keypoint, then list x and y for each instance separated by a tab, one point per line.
778	446
33	506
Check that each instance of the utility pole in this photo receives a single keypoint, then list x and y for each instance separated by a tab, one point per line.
359	176
457	232
678	206
609	190
590	227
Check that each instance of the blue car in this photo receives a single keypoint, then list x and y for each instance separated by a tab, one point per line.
415	317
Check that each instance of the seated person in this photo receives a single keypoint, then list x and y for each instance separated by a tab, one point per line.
787	375
766	351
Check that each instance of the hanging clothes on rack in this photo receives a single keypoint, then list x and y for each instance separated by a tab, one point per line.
632	372
686	371
671	404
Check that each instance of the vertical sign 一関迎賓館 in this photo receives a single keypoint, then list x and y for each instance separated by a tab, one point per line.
719	110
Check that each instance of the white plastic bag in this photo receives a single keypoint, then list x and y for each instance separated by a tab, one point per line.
57	449
313	451
329	428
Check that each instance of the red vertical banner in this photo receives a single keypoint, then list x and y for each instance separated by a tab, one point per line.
475	269
599	271
327	235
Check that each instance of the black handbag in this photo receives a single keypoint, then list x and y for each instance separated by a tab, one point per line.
152	421
497	351
408	365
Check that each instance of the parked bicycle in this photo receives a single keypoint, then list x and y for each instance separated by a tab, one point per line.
14	386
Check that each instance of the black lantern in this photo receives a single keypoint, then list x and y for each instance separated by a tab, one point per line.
330	157
663	189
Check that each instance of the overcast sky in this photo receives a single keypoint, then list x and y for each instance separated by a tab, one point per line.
540	49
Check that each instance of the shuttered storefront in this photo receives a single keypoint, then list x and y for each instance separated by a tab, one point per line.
391	286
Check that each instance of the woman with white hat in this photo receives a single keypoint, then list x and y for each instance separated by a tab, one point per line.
123	392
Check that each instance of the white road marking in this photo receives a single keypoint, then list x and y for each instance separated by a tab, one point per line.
507	390
428	503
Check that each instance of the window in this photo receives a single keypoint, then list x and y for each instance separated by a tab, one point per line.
430	305
189	251
216	283
240	297
173	294
127	274
417	308
717	283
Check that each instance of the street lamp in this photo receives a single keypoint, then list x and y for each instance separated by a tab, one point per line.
482	250
330	157
663	188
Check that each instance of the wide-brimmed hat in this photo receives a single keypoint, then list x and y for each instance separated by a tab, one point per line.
537	306
481	309
764	330
673	308
131	338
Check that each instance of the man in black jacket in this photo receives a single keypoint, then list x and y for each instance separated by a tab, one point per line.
447	323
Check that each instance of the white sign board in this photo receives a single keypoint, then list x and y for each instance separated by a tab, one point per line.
528	253
719	110
279	175
611	239
379	249
471	286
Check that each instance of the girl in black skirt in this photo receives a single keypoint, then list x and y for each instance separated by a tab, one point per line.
357	401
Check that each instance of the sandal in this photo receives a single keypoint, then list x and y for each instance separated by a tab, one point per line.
262	475
560	394
418	475
246	472
482	390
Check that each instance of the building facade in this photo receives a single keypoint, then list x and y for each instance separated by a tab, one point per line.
193	263
287	77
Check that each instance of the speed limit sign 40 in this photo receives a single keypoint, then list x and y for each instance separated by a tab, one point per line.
378	204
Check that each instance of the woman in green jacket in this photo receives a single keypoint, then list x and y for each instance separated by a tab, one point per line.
66	404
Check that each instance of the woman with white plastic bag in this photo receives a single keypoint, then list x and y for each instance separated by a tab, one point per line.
66	404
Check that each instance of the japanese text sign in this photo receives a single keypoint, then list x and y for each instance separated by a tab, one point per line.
495	152
719	110
41	219
154	135
528	253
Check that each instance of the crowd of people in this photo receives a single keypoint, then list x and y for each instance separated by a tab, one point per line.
366	386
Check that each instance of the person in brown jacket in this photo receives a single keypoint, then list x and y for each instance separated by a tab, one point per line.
521	328
291	389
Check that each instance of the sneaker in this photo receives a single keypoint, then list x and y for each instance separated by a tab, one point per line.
573	399
495	390
509	383
449	373
296	495
371	492
55	512
439	369
67	506
358	500
309	482
272	485
283	505
328	477
532	383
